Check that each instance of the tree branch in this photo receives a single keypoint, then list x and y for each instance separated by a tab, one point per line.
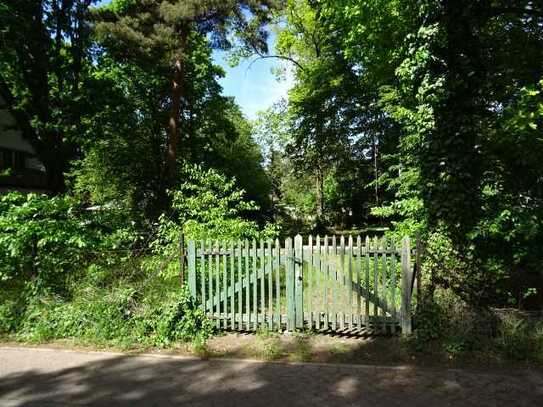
282	57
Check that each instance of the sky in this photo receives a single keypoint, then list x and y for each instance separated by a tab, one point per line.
253	86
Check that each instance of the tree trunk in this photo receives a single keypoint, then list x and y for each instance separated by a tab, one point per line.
54	168
376	169
320	192
173	123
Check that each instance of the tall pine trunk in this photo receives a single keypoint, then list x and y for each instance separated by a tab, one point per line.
173	123
376	169
319	175
320	191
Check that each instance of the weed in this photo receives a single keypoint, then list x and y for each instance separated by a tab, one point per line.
302	348
199	347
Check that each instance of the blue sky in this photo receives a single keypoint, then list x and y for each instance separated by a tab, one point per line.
253	86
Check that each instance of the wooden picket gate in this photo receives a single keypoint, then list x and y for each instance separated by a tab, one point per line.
324	284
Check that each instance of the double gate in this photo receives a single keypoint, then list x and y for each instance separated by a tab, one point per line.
328	283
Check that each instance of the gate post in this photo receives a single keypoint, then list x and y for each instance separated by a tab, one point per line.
299	282
192	267
405	317
289	260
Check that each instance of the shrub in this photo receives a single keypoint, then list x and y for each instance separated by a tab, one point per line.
119	316
8	317
180	320
69	281
45	239
520	337
460	329
429	323
207	205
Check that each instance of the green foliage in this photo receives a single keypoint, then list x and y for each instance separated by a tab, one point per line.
124	25
230	148
215	133
46	245
122	315
44	63
209	206
45	238
179	321
337	133
447	323
514	337
70	273
429	323
293	193
8	316
461	84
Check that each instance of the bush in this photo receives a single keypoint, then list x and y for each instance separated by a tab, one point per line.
206	206
453	326
429	323
121	316
465	328
46	239
8	317
178	320
520	338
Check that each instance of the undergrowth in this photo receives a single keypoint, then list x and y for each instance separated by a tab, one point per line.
448	325
125	312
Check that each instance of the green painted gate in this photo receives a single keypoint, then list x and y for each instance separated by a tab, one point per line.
318	283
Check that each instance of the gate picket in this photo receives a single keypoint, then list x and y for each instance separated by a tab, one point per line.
326	285
270	285
232	286
350	282
262	285
298	281
334	283
309	275
358	269
278	284
290	285
342	282
255	286
247	287
393	285
217	287
240	283
375	247
318	284
384	281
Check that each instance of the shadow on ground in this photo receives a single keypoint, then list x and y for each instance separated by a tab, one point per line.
52	378
389	350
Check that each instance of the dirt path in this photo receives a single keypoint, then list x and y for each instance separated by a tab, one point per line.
52	377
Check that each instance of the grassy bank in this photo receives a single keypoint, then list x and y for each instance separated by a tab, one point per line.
124	309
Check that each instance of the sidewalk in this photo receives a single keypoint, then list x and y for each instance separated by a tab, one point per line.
52	377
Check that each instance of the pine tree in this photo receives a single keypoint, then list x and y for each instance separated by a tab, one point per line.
153	31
